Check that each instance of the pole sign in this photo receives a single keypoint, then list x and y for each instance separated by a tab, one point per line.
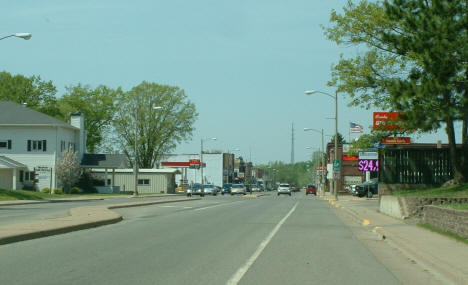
368	155
336	165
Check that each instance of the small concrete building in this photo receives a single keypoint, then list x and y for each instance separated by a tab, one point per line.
149	180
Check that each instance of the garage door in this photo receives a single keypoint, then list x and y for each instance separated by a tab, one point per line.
6	179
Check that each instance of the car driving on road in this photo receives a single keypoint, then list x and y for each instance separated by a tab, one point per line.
311	189
238	189
210	189
284	188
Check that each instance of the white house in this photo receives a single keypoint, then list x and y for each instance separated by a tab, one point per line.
31	144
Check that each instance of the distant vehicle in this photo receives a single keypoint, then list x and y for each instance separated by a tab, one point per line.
368	188
238	189
226	188
294	188
255	188
284	188
311	189
218	189
209	190
196	189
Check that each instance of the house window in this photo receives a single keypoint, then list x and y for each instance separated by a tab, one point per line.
5	144
143	182
37	145
62	146
29	176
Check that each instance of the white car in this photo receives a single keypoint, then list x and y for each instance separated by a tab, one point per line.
238	189
284	188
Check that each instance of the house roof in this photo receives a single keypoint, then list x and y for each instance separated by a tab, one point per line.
10	163
144	170
96	160
14	114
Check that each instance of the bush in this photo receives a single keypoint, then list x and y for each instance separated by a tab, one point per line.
87	182
75	190
58	191
45	190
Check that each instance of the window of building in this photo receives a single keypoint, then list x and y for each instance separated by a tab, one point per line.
62	146
143	182
5	144
29	176
37	145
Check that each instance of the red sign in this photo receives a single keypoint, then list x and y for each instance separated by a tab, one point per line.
381	119
403	140
350	157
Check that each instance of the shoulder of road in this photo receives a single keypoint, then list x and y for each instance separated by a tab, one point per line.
439	254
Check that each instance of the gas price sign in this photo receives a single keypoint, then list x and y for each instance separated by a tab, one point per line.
368	165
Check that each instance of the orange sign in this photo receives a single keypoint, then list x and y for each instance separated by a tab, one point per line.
403	140
383	120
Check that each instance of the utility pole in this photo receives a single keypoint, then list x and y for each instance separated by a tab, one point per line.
292	143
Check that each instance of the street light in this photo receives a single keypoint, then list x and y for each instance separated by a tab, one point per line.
25	36
322	180
135	163
335	179
201	162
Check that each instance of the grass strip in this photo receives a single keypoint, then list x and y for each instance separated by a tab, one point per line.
443	232
26	195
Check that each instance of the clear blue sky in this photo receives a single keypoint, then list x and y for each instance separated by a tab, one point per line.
245	64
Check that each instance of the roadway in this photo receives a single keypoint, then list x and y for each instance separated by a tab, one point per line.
216	240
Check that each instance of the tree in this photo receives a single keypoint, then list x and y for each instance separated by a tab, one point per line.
157	131
68	170
414	62
98	108
340	140
33	91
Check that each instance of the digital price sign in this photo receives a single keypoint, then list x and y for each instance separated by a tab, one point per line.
368	165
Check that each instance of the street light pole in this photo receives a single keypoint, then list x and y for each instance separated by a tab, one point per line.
335	177
322	175
25	36
201	163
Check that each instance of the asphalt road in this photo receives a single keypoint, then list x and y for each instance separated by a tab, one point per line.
216	240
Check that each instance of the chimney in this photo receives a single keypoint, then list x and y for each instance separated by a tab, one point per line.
77	121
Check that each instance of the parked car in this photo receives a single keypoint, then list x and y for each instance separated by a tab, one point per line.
311	189
284	188
218	189
238	189
226	188
209	189
368	188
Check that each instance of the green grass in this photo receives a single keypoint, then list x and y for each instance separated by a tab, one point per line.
459	191
445	233
456	206
27	195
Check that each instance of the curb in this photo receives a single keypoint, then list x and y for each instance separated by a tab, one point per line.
79	218
29	202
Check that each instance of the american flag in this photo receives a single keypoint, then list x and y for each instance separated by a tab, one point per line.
355	128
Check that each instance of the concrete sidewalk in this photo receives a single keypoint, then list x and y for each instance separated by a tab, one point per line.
78	219
445	257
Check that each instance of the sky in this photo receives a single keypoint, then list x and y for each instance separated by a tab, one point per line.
245	64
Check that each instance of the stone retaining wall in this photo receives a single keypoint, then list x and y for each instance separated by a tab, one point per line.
455	221
406	207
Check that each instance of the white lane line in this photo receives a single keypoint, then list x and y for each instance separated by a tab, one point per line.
241	271
175	207
209	207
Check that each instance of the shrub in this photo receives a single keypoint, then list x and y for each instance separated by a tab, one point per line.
45	190
75	190
58	191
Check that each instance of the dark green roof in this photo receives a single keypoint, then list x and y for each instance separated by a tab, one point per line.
15	114
96	160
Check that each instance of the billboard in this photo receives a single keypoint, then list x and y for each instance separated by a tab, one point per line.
383	120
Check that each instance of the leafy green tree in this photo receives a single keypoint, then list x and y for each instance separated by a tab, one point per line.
35	92
414	62
157	131
98	108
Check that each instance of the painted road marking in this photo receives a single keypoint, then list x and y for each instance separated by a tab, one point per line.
217	205
366	222
241	271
